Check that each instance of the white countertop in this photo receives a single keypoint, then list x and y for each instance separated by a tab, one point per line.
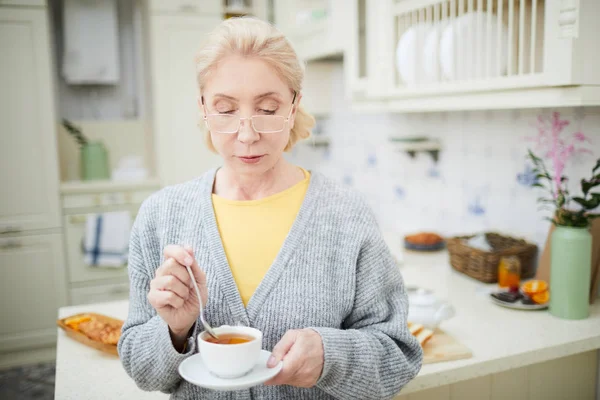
499	338
101	186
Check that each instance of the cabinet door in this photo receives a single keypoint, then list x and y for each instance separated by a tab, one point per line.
99	293
32	289
28	157
180	144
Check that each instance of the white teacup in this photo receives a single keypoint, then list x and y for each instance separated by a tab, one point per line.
230	360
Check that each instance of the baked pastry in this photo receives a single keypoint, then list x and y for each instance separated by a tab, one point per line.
424	239
101	331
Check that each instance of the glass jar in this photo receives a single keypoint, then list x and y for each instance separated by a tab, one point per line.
509	272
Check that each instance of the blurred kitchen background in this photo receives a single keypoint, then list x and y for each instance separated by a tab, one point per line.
427	107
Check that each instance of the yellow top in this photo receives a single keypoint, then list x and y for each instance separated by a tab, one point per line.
253	232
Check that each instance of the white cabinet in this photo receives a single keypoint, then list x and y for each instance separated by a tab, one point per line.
31	290
317	28
28	157
99	293
91	284
187	6
24	3
179	140
438	55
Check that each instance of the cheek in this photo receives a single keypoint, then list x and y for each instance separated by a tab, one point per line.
223	143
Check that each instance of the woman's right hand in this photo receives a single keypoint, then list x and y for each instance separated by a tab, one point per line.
172	293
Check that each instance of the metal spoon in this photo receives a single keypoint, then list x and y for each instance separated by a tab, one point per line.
205	324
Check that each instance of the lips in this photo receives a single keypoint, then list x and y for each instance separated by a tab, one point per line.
250	159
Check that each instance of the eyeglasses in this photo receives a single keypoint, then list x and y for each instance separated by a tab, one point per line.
230	123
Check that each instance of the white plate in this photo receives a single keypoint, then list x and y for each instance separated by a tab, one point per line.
409	54
518	305
194	371
464	50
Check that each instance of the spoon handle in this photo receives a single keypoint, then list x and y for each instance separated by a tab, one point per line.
201	306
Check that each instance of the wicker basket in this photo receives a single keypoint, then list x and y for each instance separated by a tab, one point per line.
483	265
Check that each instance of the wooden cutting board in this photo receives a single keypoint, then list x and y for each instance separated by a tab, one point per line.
443	347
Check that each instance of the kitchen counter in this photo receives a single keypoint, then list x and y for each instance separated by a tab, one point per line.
500	339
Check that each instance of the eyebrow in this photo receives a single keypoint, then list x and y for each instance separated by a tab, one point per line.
260	96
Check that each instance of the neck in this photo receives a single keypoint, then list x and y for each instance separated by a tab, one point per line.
234	185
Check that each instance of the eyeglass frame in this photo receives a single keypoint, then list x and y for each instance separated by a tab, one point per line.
286	120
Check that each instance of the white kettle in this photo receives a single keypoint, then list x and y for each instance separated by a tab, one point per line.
426	309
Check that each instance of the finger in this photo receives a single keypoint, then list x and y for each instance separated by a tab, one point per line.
198	272
282	348
172	267
164	298
182	256
171	283
292	362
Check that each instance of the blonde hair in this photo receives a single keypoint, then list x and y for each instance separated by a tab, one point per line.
252	37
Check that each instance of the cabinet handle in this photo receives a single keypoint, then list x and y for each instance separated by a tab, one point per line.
11	244
10	229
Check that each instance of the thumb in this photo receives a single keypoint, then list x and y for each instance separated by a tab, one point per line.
282	348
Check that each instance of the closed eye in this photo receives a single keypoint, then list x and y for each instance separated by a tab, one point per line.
267	112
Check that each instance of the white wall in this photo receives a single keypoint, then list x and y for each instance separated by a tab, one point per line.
474	186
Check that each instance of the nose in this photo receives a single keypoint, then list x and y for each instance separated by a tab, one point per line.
247	134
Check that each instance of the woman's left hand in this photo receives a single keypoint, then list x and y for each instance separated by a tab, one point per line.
302	355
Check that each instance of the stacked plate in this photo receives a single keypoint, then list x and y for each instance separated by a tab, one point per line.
462	49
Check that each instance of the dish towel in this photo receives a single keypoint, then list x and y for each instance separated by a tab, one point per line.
90	40
106	240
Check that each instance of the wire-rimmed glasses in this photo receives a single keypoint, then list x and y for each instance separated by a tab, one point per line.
231	123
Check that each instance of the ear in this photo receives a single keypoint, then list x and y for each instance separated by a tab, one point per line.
296	105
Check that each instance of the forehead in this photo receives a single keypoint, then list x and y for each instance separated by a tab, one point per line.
244	78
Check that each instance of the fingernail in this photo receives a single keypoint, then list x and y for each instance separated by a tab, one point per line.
272	362
188	261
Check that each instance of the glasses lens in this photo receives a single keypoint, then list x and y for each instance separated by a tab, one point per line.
223	123
268	123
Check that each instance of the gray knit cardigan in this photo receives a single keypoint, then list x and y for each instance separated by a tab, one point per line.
334	274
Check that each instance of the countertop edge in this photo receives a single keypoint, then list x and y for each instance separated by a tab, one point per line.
502	364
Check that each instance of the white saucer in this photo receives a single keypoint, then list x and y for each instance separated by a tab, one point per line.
193	370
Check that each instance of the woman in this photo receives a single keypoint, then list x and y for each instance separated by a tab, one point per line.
271	245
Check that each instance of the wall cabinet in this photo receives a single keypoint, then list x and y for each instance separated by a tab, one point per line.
28	158
180	146
318	29
438	55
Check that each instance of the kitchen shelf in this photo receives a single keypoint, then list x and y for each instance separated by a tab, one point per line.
101	186
414	145
539	97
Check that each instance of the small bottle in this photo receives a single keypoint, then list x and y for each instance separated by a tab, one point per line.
509	272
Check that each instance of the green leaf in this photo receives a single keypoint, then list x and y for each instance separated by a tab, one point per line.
545	201
592	183
588	204
596	167
540	176
538	185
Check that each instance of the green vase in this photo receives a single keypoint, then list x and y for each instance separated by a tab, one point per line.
94	161
570	272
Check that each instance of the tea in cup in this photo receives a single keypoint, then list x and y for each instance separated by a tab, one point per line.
234	353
